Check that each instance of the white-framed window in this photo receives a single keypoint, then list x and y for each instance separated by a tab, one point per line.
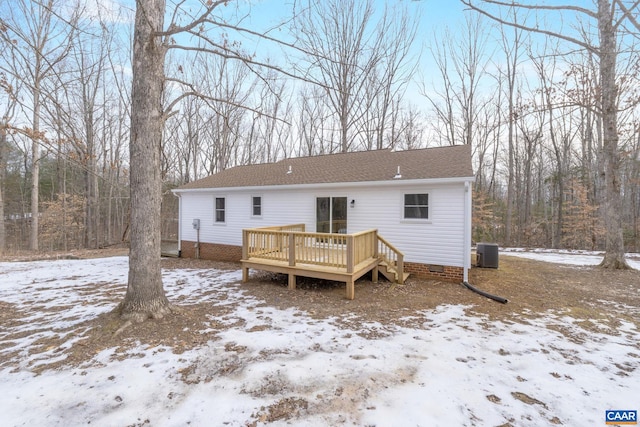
256	206
416	206
220	205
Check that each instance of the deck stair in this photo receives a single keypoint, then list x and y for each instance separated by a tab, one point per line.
391	262
391	273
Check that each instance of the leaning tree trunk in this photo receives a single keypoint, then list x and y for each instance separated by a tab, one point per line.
145	297
612	206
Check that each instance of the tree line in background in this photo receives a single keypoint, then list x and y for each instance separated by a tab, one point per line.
342	78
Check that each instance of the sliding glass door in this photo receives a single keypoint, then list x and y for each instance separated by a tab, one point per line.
331	215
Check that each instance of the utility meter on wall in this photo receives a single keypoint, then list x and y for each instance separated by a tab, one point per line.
196	224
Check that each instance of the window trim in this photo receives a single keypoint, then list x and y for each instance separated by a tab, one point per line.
253	205
404	206
216	210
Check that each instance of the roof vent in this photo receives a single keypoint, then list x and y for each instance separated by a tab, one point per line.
289	171
398	175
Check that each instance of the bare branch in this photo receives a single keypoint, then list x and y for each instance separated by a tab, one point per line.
228	54
174	29
628	14
537	7
269	38
198	94
537	30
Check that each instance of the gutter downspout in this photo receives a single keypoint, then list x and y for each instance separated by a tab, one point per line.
466	264
198	243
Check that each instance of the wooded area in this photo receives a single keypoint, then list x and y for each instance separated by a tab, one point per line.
526	92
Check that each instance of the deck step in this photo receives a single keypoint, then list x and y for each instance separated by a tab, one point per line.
390	272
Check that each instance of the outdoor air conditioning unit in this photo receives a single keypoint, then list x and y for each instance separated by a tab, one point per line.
487	255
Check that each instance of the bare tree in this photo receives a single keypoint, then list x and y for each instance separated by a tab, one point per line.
609	17
340	35
512	46
271	132
76	104
229	85
407	128
314	137
145	297
461	60
183	140
5	125
39	40
350	54
555	101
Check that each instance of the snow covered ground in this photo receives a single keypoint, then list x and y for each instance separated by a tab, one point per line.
569	257
454	370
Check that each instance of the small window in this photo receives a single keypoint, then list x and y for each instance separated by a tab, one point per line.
220	209
256	206
416	206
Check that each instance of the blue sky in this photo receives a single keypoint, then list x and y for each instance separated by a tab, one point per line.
435	15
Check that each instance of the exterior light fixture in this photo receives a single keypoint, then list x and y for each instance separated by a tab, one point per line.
353	203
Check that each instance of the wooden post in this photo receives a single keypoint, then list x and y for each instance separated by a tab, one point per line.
375	244
351	289
374	274
350	254
245	274
400	268
245	244
292	281
292	252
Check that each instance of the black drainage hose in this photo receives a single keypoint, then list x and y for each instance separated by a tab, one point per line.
484	294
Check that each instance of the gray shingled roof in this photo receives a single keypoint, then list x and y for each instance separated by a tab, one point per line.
380	165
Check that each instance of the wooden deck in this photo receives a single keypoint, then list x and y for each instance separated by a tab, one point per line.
341	257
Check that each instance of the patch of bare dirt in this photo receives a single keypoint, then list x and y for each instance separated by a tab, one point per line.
531	287
284	409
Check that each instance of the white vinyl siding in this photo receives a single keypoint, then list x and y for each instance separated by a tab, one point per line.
277	209
440	240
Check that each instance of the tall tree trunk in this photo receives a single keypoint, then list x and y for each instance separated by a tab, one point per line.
145	297
612	209
90	173
35	166
3	144
510	166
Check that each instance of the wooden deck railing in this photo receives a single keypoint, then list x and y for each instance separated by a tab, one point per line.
288	244
392	256
364	245
289	227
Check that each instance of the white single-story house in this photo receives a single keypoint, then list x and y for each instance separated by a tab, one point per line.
418	200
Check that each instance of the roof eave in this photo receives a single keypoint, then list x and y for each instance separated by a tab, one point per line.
360	184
